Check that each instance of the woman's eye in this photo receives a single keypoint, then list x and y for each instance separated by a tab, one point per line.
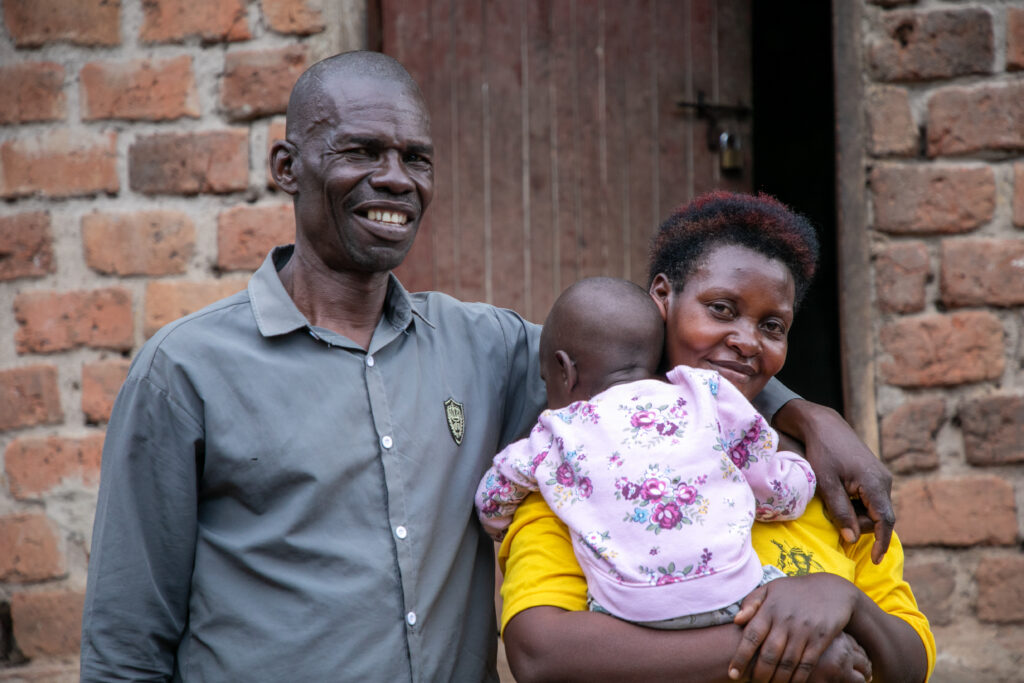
720	309
774	327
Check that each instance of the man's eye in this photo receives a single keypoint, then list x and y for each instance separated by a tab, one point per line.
358	152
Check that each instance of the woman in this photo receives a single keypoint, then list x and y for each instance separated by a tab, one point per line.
727	273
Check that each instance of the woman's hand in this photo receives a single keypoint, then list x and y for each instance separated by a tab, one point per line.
789	624
846	469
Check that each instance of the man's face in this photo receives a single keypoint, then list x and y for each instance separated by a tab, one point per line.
364	173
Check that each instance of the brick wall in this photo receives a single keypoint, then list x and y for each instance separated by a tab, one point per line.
944	154
133	138
133	145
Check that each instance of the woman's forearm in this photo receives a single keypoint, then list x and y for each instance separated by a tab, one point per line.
895	649
550	644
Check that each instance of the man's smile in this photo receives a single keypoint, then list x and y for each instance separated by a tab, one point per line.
392	217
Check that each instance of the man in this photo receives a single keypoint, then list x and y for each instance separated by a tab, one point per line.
288	474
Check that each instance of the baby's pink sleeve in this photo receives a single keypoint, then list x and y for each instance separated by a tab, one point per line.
511	477
782	481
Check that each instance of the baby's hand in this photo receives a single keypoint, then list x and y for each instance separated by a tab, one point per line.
788	624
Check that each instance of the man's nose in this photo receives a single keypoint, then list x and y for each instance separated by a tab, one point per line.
392	175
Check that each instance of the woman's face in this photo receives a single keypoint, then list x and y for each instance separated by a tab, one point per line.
732	316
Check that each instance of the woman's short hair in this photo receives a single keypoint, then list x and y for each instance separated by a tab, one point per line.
759	222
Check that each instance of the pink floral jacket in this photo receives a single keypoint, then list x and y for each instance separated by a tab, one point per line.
659	484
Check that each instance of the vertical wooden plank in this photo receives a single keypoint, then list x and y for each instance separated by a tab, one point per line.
468	157
504	69
590	131
540	190
641	121
620	143
409	41
679	131
564	139
735	86
439	97
702	59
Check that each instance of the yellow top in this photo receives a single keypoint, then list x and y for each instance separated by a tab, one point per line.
540	568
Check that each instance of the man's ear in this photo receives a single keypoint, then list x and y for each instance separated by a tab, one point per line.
567	369
661	292
283	158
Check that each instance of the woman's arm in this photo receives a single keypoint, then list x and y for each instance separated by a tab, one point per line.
845	468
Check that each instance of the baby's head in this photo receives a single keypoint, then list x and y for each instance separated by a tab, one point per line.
601	331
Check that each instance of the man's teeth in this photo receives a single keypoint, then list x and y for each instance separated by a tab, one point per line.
395	217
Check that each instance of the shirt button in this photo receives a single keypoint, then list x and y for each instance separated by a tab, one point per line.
411	618
386	442
401	531
369	361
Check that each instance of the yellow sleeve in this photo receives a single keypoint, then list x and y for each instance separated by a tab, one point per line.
537	560
884	584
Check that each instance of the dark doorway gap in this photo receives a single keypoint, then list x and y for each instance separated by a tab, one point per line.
794	160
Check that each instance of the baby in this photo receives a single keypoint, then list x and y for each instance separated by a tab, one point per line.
659	482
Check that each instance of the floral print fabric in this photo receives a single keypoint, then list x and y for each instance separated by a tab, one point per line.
659	484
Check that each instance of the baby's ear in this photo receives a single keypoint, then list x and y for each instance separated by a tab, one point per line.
567	371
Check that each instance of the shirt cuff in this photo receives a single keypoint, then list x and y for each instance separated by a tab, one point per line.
774	395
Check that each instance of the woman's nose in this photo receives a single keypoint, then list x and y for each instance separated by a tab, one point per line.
745	341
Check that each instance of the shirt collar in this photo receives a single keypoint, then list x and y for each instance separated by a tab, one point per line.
276	313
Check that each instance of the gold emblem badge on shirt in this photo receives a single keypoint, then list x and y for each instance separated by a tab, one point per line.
456	419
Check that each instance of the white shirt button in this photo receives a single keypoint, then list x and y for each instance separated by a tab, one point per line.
369	361
386	442
411	618
401	531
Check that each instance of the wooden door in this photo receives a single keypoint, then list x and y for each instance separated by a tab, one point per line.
560	143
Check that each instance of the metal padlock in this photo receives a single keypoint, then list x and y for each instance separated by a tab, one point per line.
730	158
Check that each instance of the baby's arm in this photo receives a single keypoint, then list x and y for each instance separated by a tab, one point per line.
782	481
511	477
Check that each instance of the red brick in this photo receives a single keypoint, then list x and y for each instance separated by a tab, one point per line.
142	89
993	428
276	130
982	271
1000	589
1014	38
958	511
1018	195
26	245
212	21
933	584
246	233
964	120
100	383
35	466
214	162
891	128
257	83
916	46
84	22
936	198
31	549
33	91
901	272
47	624
943	350
168	301
141	243
29	396
300	17
908	435
55	321
59	163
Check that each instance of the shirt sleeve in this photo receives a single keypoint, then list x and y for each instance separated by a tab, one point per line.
525	397
884	583
538	563
510	479
774	395
782	481
144	537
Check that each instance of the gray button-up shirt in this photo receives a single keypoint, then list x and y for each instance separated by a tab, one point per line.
277	504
